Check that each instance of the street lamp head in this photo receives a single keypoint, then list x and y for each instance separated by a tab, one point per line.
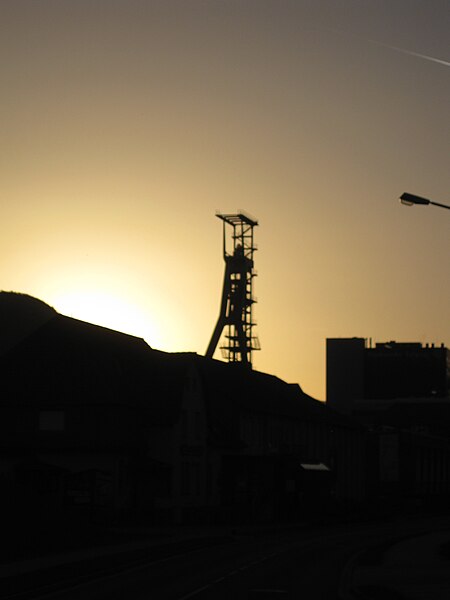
410	199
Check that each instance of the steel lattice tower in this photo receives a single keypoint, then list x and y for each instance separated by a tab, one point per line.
237	294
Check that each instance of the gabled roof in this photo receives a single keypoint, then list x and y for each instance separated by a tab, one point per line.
61	360
70	359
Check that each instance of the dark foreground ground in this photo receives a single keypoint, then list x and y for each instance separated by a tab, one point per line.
301	560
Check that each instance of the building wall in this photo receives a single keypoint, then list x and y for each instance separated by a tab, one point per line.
390	370
403	370
190	451
344	372
43	424
341	449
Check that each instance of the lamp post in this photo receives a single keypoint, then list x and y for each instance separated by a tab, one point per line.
410	199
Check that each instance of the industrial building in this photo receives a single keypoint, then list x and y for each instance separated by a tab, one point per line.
360	375
400	393
97	425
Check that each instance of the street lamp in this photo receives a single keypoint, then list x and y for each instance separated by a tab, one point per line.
410	199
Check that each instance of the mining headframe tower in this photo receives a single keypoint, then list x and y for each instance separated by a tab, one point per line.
236	308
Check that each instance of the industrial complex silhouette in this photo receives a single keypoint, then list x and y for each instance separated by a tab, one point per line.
98	428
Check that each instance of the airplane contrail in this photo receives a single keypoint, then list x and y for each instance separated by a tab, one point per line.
439	61
411	53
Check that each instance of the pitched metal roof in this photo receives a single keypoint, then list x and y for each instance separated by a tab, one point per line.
67	361
64	360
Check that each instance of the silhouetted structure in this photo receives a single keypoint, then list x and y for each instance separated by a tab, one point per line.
237	295
76	417
96	425
263	432
399	391
358	373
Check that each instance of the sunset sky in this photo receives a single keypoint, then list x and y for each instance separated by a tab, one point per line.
125	125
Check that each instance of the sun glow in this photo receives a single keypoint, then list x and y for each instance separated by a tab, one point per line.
109	311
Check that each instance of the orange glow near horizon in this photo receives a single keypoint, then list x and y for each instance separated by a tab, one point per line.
108	310
127	125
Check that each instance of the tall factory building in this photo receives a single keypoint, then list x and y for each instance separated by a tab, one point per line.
359	375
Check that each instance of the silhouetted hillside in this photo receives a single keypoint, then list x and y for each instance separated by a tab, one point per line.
20	315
